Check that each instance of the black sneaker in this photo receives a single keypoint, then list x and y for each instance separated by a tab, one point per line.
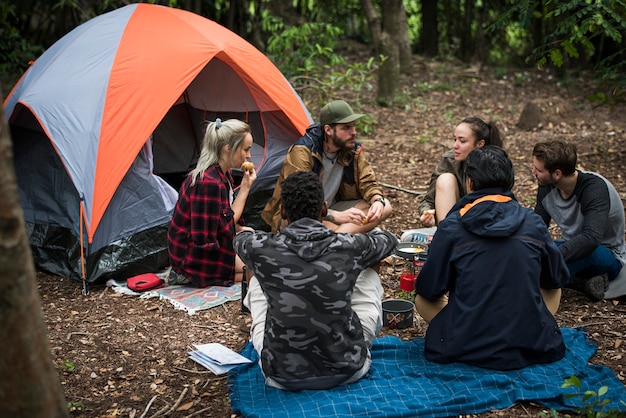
175	278
596	286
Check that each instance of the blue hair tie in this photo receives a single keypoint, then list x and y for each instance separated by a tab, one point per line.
218	123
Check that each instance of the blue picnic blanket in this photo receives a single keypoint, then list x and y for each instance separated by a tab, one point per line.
402	383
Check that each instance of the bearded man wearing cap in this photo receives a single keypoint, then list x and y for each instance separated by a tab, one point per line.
329	149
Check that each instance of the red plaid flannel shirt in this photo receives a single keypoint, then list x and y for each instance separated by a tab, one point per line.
200	235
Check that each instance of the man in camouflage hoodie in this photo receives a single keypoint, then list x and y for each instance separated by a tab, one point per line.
309	331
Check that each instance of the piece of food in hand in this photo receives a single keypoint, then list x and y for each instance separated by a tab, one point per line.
429	212
247	166
364	220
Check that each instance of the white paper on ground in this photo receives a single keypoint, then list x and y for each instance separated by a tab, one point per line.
216	357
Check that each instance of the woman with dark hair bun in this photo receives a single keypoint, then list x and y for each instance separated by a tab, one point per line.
447	183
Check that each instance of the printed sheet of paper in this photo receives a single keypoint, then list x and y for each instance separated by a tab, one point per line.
216	357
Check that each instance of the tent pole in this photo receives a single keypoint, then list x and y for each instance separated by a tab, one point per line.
82	250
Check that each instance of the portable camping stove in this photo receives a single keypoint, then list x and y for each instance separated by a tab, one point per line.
412	254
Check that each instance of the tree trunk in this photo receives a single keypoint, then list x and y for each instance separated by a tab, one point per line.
482	45
387	33
404	43
467	38
29	384
373	21
389	73
537	31
452	28
429	38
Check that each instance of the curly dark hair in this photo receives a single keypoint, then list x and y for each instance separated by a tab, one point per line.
302	196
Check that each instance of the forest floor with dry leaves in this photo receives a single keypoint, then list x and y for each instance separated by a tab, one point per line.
120	355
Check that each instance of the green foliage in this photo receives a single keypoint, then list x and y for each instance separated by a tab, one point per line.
15	50
306	55
320	85
613	81
75	406
367	124
344	14
414	22
68	366
550	414
301	49
616	96
581	22
521	77
403	294
500	73
576	29
593	403
27	28
357	77
586	24
510	43
590	398
519	11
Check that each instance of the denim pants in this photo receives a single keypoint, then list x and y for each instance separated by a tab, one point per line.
600	261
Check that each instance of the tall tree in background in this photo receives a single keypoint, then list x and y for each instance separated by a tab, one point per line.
404	43
466	34
536	23
390	38
429	36
29	384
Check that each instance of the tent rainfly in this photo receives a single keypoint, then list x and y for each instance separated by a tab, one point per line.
116	106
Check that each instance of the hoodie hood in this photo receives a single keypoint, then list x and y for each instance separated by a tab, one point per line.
307	237
492	212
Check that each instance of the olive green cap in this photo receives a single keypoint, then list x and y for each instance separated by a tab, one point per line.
338	111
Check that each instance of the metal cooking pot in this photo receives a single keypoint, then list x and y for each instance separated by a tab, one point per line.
412	251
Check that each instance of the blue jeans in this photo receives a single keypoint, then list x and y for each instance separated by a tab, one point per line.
600	261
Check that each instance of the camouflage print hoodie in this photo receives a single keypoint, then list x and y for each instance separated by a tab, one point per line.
313	339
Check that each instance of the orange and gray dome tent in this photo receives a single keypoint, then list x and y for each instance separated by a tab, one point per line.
113	108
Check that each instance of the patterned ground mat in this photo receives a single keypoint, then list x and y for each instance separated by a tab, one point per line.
188	298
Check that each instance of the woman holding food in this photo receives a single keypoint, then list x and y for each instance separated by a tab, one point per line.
208	214
448	181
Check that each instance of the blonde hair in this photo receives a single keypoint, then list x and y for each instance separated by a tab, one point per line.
218	134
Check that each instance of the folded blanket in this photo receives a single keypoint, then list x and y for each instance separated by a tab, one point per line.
402	383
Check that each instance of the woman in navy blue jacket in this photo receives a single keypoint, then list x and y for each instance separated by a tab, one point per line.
491	284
